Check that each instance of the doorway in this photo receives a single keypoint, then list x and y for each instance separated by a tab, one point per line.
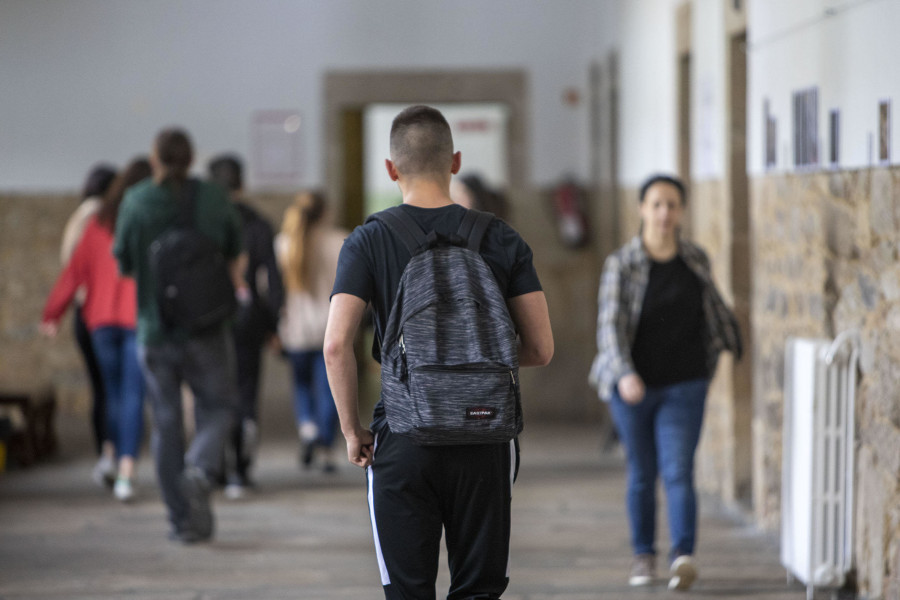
479	132
349	95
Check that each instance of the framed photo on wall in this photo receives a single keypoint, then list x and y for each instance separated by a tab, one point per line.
275	148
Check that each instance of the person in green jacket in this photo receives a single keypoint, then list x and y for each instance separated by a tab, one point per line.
171	356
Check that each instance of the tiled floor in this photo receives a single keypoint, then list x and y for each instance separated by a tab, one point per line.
306	535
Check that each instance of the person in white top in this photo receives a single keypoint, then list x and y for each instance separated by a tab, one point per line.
307	249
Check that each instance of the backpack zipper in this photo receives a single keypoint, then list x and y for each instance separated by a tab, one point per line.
470	367
405	369
404	372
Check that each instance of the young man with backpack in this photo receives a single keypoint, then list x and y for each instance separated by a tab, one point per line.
183	330
441	453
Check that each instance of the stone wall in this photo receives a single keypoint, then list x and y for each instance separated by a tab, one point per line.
30	232
826	260
708	223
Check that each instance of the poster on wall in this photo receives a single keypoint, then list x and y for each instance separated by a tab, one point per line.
706	142
275	148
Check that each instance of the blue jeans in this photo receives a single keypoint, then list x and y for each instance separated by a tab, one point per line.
313	402
660	435
207	364
116	351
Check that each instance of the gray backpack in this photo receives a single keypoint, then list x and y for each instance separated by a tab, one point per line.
449	354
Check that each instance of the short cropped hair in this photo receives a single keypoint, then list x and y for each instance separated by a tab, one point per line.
662	178
421	143
175	152
227	171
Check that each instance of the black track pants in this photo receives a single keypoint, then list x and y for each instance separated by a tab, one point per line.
416	491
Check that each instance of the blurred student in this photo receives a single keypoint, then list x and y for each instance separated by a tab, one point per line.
471	191
255	324
308	248
109	310
661	327
170	353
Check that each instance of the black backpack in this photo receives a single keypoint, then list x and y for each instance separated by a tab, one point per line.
449	355
194	290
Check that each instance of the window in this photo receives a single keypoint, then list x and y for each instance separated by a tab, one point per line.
806	131
834	125
884	131
771	137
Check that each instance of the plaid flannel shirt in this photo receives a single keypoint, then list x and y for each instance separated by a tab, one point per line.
621	297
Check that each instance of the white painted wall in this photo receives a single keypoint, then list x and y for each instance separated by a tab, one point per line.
709	90
848	49
647	86
91	80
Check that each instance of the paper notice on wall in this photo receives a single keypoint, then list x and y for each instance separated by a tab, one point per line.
706	141
276	147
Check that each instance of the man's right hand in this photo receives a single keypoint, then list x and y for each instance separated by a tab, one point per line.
360	448
631	389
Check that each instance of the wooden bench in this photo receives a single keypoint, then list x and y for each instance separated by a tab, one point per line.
38	438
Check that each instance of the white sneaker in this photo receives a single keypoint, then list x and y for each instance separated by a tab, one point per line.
235	491
123	490
643	570
104	473
683	573
308	431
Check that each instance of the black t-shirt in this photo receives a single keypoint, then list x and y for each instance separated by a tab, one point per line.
372	261
668	347
260	318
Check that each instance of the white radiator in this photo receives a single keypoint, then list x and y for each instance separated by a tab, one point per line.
818	460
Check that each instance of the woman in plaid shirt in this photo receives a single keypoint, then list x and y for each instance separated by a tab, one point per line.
661	327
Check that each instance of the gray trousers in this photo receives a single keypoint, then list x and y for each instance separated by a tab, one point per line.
207	365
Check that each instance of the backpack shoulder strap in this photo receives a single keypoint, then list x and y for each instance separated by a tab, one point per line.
473	227
403	227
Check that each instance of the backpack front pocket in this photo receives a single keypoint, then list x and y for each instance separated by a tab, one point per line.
463	402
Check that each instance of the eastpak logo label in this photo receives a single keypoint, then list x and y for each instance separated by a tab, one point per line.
481	412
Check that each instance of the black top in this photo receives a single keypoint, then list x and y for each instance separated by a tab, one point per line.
261	317
668	347
372	261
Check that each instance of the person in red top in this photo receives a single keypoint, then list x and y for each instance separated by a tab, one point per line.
110	314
